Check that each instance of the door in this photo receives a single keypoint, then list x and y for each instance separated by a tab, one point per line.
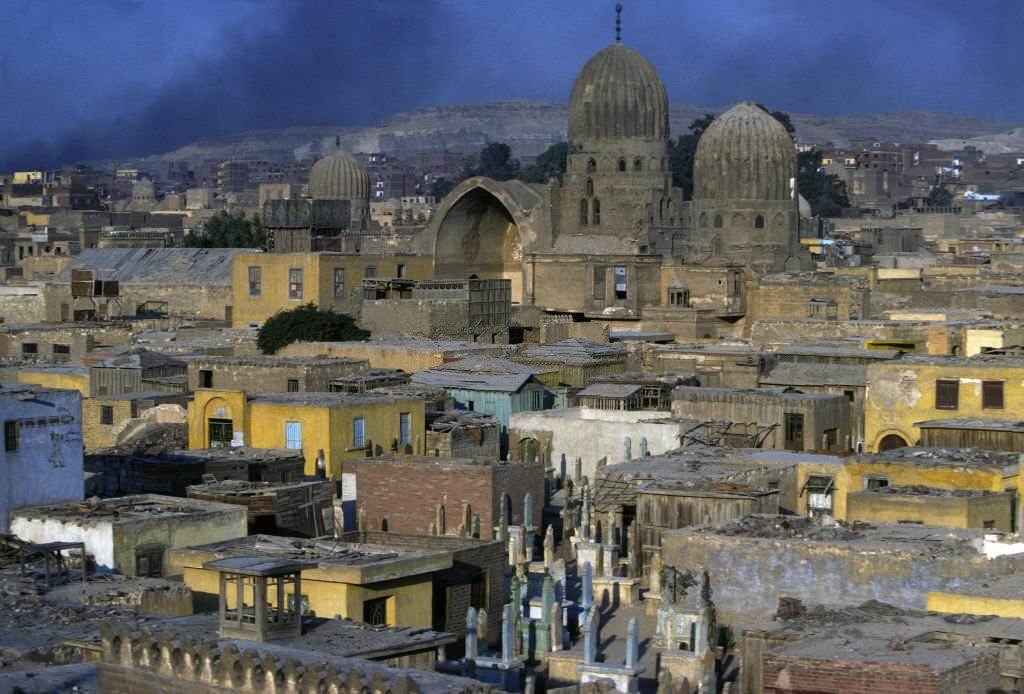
220	431
794	426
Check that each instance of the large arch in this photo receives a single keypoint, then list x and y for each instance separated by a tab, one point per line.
478	231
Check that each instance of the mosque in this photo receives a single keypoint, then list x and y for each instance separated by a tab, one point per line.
614	237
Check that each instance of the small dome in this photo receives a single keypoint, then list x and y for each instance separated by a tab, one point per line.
339	176
618	94
745	154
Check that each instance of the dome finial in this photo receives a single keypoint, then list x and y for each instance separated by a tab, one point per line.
618	22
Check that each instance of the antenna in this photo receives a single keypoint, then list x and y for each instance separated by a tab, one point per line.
618	22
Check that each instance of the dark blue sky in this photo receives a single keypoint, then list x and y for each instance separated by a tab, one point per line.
104	78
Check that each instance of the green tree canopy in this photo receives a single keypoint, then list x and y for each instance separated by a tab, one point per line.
225	230
681	152
306	323
494	161
551	162
823	191
939	196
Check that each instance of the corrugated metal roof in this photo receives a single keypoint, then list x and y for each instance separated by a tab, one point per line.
575	350
167	266
461	380
609	390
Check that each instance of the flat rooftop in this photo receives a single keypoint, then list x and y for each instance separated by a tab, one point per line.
123	509
270	361
702	393
954	457
921	490
245	489
973	423
871	630
908	537
204	456
331	399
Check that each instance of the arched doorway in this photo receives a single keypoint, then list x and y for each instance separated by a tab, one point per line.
891	441
478	236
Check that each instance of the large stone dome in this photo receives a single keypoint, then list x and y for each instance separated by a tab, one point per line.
618	94
339	176
745	154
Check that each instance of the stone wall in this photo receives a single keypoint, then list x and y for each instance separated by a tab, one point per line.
749	573
22	304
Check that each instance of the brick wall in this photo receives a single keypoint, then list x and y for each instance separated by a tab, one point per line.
407	492
786	673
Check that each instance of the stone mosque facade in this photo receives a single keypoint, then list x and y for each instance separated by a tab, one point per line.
615	236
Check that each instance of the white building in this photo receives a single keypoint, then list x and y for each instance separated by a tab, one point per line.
41	460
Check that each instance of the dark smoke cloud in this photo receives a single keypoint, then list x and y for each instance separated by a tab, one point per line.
326	63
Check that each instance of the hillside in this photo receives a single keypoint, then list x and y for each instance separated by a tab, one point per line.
529	127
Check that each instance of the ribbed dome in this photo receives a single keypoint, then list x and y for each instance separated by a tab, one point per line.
618	94
338	176
745	154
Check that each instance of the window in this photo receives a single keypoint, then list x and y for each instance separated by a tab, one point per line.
596	217
221	431
621	287
872	483
947	395
599	283
536	400
404	428
988	525
400	270
992	395
205	378
293	385
478	592
583	212
255	281
29	348
591	165
759	221
718	221
590	186
295	284
107	415
850	395
62	349
293	435
339	282
638	165
376	611
470	405
370	272
358	433
830	437
794	431
12	435
622	165
149	560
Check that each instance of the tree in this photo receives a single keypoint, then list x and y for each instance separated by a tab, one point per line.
551	162
494	161
306	323
441	187
782	117
682	151
225	230
938	196
823	191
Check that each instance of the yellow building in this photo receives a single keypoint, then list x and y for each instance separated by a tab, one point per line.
947	508
338	425
65	377
409	355
374	577
1002	596
21	177
903	393
264	283
825	486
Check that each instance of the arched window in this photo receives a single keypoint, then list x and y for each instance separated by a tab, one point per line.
622	165
716	246
583	212
759	221
590	186
638	164
591	165
718	221
597	212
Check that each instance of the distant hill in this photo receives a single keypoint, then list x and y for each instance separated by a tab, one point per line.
530	126
1010	142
